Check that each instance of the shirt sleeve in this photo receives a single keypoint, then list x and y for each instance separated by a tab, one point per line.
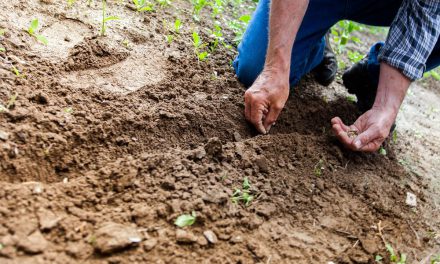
412	37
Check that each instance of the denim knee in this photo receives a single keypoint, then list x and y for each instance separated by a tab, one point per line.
246	70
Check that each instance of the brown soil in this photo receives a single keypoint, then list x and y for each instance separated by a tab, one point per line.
138	135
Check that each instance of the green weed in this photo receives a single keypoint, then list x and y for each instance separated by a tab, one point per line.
435	259
243	194
394	258
198	5
164	3
143	5
198	46
11	101
394	136
185	220
433	73
342	34
32	30
352	98
319	168
17	72
239	26
382	151
354	56
105	18
2	32
177	26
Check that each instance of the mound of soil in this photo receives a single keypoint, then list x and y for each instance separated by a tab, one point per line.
104	148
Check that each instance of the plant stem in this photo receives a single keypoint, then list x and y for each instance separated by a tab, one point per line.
103	18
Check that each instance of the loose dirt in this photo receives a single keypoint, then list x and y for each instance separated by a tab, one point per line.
107	144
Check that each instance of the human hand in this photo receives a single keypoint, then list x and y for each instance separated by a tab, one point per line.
265	99
368	132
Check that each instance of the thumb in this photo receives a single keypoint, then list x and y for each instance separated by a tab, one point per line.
271	117
366	140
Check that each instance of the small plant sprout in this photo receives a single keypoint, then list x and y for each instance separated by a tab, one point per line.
32	30
68	110
378	258
351	98
186	220
394	136
70	3
319	167
198	5
394	258
2	32
382	151
243	194
105	18
435	259
177	26
198	45
164	3
143	5
217	34
11	101
17	72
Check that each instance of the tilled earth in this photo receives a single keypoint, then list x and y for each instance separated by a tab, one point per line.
107	144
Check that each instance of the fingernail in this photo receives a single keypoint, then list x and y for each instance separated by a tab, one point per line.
357	143
268	129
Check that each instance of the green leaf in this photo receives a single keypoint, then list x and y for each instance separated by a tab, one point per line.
435	75
2	49
246	184
185	220
378	258
202	56
33	27
245	18
383	152
42	39
196	39
177	25
111	18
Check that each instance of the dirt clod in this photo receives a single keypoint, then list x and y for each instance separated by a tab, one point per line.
210	236
112	237
33	244
185	236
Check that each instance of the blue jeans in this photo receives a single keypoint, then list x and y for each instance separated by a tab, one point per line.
308	49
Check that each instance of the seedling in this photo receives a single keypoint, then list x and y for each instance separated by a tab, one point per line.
70	3
198	5
106	18
378	258
17	72
198	45
342	33
32	30
319	167
394	136
244	194
68	110
394	258
354	56
217	35
382	151
435	259
177	26
238	26
11	101
185	220
2	32
143	5
351	98
163	3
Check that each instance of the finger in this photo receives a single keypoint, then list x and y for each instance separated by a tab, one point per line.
367	140
257	118
342	136
247	107
271	117
372	146
337	120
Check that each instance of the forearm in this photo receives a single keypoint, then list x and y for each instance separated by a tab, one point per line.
391	90
285	19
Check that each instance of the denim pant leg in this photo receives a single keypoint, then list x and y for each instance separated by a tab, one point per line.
309	45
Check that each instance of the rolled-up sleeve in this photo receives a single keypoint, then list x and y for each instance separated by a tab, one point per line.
412	37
